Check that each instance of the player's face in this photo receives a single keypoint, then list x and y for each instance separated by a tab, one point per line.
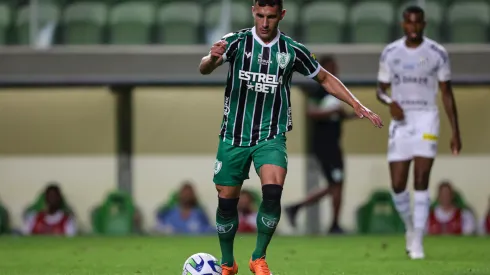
413	26
445	196
267	20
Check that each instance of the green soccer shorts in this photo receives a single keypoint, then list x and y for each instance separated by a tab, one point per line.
232	163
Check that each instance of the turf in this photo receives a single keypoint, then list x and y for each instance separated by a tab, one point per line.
287	255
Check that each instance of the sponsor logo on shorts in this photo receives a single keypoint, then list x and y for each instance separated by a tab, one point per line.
217	166
429	137
271	223
224	228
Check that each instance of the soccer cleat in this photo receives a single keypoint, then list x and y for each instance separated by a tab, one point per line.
259	267
416	250
226	270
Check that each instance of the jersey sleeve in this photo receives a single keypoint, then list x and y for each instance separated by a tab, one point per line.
444	68
231	48
384	71
305	62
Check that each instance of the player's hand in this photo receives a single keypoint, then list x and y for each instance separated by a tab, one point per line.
396	111
455	144
363	112
218	49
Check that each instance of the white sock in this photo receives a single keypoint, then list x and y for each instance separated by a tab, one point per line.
402	205
420	211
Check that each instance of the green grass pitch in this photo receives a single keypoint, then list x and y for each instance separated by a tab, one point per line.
356	255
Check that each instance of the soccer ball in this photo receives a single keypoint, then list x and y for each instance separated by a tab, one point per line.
201	264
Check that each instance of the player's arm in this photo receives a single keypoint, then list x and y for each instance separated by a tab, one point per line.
444	77
384	83
306	64
214	59
336	88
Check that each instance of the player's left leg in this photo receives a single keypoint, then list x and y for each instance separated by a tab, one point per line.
422	169
270	161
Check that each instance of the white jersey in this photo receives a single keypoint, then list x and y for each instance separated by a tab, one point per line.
414	73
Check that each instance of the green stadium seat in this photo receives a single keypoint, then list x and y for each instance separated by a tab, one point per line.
115	216
290	21
5	21
323	22
84	23
379	216
371	22
131	22
241	16
434	16
48	13
179	22
468	22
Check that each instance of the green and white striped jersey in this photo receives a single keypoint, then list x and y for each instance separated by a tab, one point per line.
257	103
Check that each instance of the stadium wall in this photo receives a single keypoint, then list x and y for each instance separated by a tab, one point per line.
70	137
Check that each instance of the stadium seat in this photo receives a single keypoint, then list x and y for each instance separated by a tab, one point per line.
241	16
48	13
84	23
371	22
323	22
468	22
290	21
378	215
179	22
132	22
115	215
4	22
433	15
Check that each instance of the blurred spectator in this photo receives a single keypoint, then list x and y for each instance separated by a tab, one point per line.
449	218
247	212
52	220
485	223
4	220
186	217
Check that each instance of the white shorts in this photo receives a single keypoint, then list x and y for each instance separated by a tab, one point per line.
415	136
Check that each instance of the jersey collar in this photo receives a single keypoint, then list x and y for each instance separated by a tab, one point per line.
258	39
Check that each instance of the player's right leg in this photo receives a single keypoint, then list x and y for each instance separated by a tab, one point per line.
231	169
399	158
401	197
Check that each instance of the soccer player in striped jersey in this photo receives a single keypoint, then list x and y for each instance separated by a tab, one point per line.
257	115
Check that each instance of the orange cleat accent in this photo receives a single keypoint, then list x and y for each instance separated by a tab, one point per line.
259	267
226	270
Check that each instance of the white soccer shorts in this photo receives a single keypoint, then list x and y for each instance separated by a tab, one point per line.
415	136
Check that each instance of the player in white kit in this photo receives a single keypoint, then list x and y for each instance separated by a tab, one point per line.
415	67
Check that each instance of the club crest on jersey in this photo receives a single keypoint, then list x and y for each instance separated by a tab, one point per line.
217	166
283	59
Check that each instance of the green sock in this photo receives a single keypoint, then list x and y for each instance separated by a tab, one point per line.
267	218
227	226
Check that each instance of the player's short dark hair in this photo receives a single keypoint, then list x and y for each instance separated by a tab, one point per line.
326	59
271	3
414	9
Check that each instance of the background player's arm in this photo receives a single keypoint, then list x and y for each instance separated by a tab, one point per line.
444	77
381	93
384	83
